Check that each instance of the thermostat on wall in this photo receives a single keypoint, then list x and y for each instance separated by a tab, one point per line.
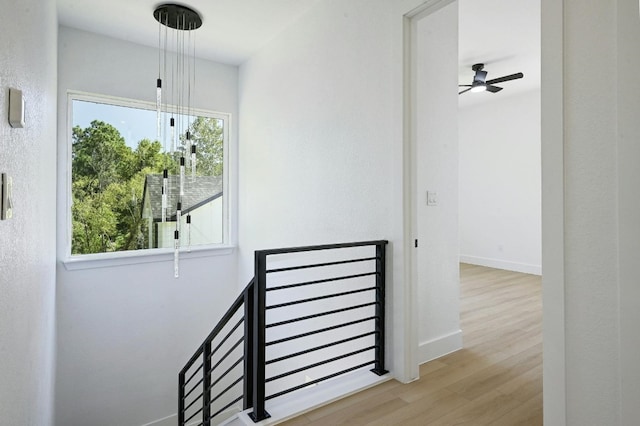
16	108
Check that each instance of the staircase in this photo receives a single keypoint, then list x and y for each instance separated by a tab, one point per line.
309	315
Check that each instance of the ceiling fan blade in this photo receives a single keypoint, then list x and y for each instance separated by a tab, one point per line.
464	91
493	89
506	78
464	85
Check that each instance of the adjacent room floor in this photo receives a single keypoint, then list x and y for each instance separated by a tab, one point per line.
495	380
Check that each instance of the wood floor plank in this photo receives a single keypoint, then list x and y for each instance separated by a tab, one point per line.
481	411
423	410
360	413
490	378
495	380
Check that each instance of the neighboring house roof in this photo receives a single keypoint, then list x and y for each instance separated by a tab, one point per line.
198	191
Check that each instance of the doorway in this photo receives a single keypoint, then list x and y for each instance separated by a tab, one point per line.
553	260
434	160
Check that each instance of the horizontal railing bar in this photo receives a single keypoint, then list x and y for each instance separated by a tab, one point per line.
235	327
314	299
222	376
227	354
197	399
192	416
326	280
321	314
226	389
226	406
225	319
320	265
191	377
193	388
312	382
322	247
321	330
193	359
317	348
318	364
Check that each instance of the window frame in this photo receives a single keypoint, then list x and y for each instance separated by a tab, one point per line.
128	257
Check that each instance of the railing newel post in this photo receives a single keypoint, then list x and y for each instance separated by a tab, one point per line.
259	331
181	399
206	383
380	309
248	347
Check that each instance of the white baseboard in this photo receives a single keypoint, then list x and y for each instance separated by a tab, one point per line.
502	264
440	346
310	398
170	420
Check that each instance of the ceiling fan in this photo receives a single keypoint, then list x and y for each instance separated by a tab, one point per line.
481	84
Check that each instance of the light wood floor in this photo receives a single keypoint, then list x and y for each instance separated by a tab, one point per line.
495	380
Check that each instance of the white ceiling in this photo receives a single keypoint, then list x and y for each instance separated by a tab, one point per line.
232	30
502	34
505	36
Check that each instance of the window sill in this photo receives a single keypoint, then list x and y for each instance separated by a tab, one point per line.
106	260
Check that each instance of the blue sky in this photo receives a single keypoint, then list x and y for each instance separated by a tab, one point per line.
134	124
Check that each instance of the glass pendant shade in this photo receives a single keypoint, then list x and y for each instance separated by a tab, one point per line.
181	176
172	126
159	107
188	232
165	192
176	253
193	161
178	215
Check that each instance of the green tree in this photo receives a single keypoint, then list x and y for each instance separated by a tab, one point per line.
99	154
108	182
207	135
94	222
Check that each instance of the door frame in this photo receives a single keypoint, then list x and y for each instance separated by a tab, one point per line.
553	215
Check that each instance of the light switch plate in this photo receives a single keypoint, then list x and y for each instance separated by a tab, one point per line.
6	207
16	108
432	198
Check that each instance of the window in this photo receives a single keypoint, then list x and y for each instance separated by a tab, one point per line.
120	170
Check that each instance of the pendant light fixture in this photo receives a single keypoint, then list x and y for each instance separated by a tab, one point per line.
175	82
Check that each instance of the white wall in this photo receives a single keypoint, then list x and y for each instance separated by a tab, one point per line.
435	164
628	58
591	273
500	183
590	299
322	144
125	331
317	148
314	136
27	242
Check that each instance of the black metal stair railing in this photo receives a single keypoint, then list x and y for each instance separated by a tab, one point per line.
300	317
200	397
